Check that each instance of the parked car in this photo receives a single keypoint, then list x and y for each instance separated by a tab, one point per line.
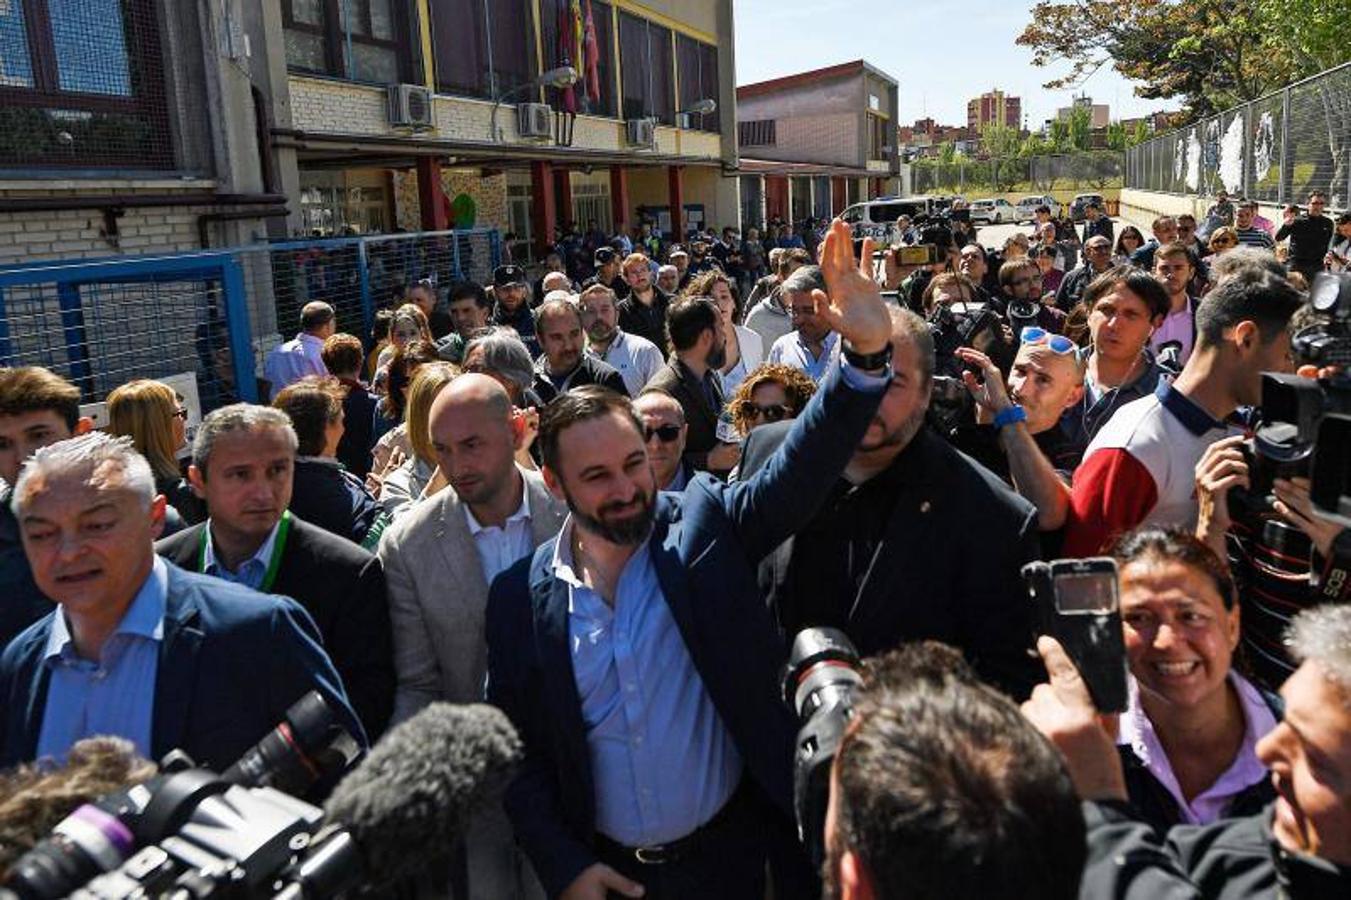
993	211
877	218
1027	207
1080	204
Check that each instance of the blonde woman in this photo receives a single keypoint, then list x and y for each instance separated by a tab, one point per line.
414	479
153	415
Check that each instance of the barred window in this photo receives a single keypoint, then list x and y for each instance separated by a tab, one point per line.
756	133
82	83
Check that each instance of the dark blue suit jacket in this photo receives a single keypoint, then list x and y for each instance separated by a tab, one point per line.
231	662
705	545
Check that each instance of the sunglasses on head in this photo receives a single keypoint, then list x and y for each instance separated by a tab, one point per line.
665	433
774	413
1057	343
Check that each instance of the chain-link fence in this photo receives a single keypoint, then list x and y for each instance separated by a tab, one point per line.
210	317
1276	149
1094	169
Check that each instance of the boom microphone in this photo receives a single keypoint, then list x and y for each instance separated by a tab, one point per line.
413	795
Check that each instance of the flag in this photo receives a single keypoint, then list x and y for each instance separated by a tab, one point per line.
591	74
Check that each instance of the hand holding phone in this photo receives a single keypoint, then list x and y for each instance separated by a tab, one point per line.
1077	604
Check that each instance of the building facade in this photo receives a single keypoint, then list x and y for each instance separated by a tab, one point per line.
814	142
994	108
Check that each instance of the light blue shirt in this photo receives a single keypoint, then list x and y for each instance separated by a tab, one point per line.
112	695
251	571
662	759
791	350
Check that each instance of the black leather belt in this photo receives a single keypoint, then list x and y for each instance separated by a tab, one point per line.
683	847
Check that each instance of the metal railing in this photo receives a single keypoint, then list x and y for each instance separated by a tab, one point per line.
214	314
1276	149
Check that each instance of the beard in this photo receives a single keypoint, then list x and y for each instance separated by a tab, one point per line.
899	437
600	332
717	357
627	531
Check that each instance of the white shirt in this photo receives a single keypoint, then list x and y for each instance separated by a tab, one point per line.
289	362
498	547
791	350
752	354
636	358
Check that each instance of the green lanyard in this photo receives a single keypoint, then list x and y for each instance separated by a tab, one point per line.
278	548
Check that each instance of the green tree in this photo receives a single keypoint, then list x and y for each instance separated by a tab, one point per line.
1116	136
1080	128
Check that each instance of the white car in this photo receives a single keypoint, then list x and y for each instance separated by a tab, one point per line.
993	212
1027	207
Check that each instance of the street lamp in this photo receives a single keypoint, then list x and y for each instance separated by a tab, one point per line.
561	77
702	107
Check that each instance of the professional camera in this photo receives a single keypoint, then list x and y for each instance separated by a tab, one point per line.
818	686
1305	423
953	326
98	837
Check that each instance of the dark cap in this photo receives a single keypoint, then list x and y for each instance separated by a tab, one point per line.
505	275
604	255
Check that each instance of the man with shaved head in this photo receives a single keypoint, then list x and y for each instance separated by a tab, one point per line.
439	560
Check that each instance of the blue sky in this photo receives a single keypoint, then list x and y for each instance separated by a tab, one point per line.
942	53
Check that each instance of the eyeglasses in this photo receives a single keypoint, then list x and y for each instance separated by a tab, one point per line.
795	312
1057	343
181	413
665	433
775	413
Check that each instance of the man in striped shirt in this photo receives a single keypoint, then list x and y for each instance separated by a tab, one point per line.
1249	235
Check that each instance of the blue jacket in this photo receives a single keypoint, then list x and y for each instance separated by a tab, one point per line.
705	545
230	664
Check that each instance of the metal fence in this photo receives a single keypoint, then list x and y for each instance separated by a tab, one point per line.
214	314
1095	169
1276	149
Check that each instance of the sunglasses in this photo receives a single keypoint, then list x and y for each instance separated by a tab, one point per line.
775	413
181	414
665	433
1057	343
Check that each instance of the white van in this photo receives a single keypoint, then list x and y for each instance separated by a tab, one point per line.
877	218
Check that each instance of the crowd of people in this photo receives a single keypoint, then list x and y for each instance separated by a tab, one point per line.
607	498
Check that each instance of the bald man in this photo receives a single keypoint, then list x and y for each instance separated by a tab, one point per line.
303	355
440	559
664	429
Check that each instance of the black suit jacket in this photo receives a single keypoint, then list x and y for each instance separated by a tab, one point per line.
947	568
679	382
343	588
589	371
358	433
705	544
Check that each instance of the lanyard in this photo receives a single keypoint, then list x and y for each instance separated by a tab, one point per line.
273	564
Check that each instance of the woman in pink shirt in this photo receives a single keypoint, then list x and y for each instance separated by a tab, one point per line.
1188	738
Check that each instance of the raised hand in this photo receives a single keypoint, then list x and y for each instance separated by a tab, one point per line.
852	303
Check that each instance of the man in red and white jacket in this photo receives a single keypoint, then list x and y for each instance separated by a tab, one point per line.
1140	468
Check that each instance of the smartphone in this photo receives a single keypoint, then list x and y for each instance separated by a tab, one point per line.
1077	604
919	255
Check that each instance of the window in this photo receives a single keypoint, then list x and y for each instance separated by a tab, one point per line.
646	70
81	83
318	34
756	133
878	145
602	16
518	219
698	79
484	48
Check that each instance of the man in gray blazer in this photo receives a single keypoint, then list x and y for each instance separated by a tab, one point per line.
439	560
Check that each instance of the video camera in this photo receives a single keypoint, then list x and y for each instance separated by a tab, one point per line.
1305	423
100	837
974	325
819	681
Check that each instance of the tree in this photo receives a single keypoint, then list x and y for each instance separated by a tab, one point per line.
1000	141
1211	54
1080	128
1116	136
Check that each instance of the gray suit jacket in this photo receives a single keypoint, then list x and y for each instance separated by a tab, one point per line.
438	595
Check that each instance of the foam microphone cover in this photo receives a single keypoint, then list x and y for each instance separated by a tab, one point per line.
416	790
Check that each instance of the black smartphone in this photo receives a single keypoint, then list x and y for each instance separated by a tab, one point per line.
1077	604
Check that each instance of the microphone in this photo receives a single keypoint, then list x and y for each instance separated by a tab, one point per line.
412	796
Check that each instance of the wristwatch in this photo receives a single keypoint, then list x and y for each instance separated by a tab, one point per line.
867	361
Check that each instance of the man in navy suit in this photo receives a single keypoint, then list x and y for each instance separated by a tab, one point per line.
137	647
635	655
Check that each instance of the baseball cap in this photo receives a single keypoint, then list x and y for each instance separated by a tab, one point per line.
505	275
604	255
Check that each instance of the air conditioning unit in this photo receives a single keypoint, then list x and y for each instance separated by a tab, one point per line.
641	132
410	106
533	120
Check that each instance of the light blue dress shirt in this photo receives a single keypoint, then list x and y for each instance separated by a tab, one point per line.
112	695
791	350
251	571
662	760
